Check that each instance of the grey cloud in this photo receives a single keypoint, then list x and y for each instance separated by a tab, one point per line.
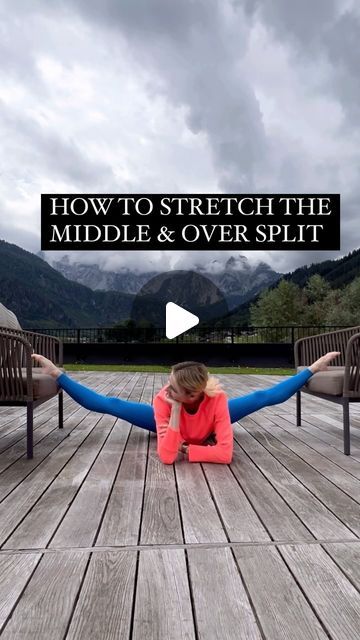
314	30
17	47
50	151
195	52
191	52
306	20
26	239
159	18
342	44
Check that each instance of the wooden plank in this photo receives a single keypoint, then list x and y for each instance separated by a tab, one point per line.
16	420
163	605
48	432
13	445
161	518
346	557
316	517
97	487
46	605
92	480
313	426
15	571
16	430
81	523
328	445
346	509
20	466
201	521
222	607
332	430
210	495
334	598
344	471
121	522
279	519
239	518
105	602
283	611
14	508
16	505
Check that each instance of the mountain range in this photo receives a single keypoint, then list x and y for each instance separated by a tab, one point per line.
43	296
237	280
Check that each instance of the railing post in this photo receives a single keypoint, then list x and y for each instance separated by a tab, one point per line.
78	336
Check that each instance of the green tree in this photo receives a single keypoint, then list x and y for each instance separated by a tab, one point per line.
316	291
344	306
282	306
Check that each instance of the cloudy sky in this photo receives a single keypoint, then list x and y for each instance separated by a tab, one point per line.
192	96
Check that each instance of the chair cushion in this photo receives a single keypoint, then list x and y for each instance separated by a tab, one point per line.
8	319
330	382
43	384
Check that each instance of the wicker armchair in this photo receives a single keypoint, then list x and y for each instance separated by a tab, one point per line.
22	382
339	383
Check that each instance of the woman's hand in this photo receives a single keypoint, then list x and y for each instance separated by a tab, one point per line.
210	440
171	401
184	448
48	367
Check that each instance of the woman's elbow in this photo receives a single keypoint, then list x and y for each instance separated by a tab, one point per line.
226	456
167	457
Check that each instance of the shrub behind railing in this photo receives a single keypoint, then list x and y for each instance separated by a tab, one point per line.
200	334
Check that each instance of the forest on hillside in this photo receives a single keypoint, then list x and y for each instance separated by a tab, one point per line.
314	304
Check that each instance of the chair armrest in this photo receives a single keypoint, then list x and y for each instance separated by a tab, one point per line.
49	346
15	352
307	350
352	367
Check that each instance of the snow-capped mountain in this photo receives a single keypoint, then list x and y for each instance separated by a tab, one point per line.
237	280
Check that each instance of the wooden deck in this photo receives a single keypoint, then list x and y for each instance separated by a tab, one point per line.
99	540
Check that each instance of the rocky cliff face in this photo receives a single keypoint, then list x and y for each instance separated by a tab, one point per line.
237	280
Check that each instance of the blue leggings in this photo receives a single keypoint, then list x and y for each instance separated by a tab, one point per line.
142	414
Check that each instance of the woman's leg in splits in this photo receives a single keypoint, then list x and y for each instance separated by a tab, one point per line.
138	413
242	406
142	414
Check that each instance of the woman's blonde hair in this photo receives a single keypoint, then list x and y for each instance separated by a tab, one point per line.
194	376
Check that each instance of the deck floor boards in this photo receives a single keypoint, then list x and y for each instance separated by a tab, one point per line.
100	540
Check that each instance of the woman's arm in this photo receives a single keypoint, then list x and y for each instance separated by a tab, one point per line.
222	451
167	419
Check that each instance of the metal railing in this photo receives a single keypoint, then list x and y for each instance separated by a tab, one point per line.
201	334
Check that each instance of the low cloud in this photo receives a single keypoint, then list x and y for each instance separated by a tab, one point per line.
242	96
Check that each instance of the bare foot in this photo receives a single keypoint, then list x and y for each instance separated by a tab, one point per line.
322	363
48	367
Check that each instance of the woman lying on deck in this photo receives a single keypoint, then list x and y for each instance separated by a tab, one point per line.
191	413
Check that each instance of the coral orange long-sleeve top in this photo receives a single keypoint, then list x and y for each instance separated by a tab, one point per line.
212	416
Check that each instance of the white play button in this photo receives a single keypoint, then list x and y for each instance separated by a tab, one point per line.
178	320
